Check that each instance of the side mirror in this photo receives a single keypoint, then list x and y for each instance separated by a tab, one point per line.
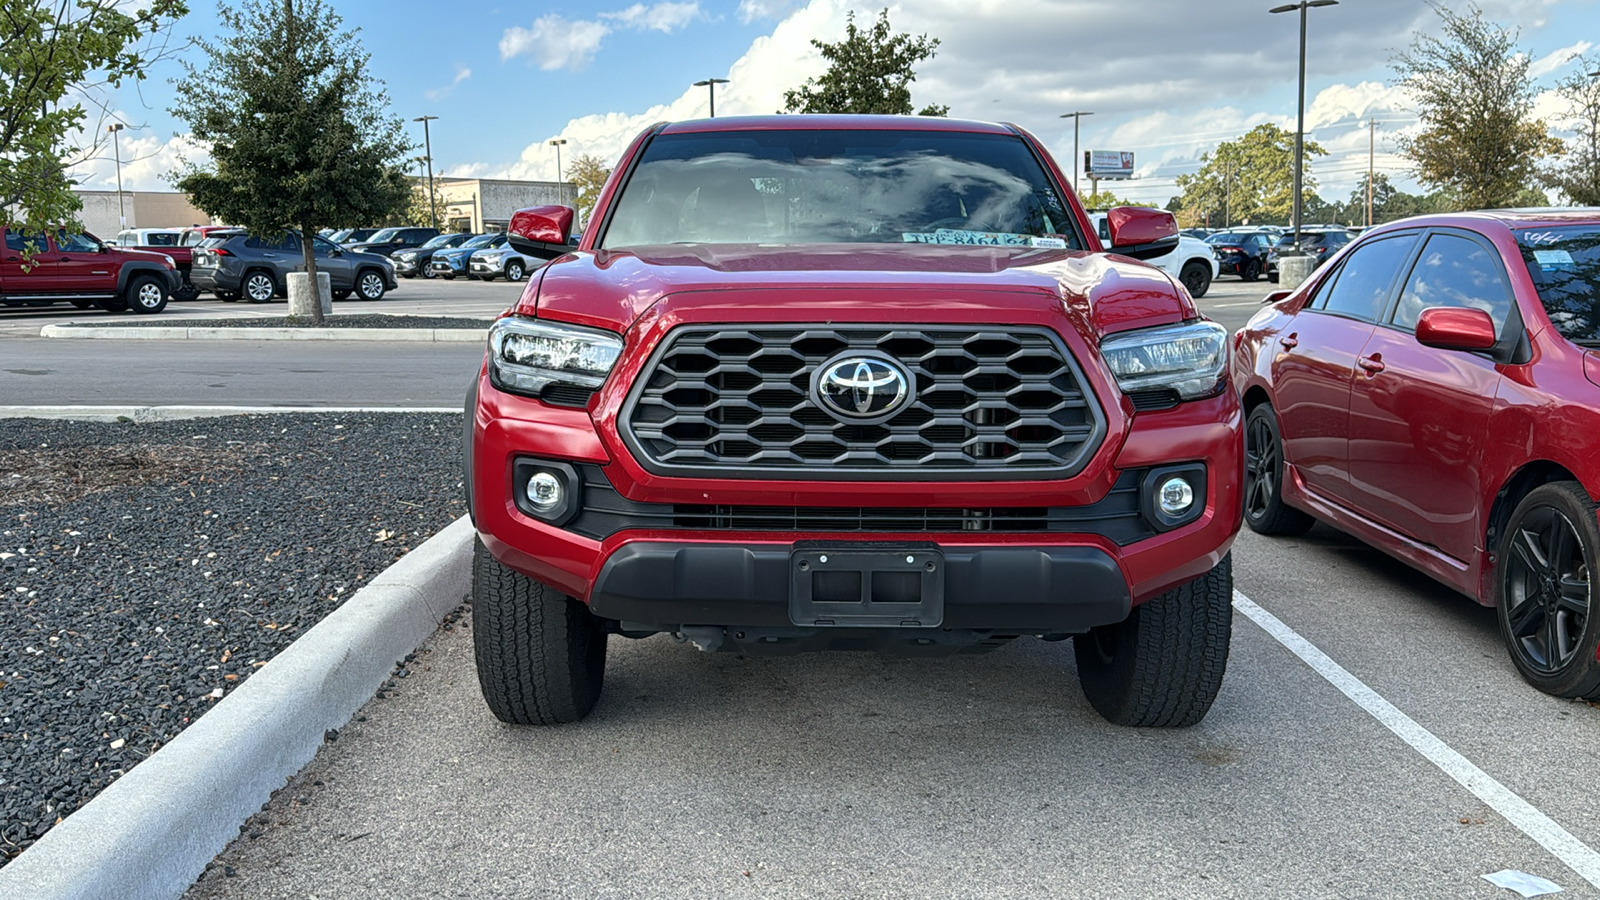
1142	232
1275	296
1453	328
544	232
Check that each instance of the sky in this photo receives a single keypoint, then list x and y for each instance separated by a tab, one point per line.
1166	79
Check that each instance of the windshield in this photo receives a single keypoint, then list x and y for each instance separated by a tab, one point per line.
386	236
482	240
338	237
1564	263
443	240
844	186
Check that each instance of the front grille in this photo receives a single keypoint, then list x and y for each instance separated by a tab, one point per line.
737	401
1116	516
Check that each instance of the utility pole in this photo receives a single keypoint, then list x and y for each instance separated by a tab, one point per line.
711	85
1300	121
1227	194
122	215
557	143
1372	138
427	147
1076	118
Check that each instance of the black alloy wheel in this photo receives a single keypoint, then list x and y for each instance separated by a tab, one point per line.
369	285
1250	270
259	287
1196	277
1264	509
1545	574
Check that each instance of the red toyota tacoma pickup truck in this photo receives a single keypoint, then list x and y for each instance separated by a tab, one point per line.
40	269
856	382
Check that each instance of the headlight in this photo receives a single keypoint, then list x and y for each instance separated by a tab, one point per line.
526	355
1189	358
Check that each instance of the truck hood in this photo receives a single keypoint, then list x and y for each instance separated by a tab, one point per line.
1101	293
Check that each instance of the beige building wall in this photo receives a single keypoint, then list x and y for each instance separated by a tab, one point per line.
140	209
482	204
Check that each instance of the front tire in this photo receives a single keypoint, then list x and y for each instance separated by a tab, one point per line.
1251	270
145	295
1545	571
1196	276
515	271
541	655
1264	471
1163	665
369	285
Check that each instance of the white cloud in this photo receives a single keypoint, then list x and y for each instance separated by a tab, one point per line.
666	17
750	10
558	43
439	93
147	160
1557	59
554	42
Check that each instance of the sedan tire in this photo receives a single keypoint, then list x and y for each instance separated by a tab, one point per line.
1545	571
1264	471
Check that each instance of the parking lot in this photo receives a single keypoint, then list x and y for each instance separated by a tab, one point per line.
854	775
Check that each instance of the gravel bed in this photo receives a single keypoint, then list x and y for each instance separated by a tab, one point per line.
147	570
364	320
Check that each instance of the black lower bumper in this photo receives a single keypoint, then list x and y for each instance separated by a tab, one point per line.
1022	590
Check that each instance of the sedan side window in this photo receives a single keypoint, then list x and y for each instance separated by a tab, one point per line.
1363	283
1454	271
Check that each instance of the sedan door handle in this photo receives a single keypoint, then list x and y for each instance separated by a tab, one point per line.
1290	342
1372	364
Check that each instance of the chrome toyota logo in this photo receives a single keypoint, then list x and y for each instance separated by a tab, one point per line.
863	388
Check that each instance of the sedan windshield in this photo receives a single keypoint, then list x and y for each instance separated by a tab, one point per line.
843	186
1564	263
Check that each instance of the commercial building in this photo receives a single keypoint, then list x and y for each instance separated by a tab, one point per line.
140	209
484	204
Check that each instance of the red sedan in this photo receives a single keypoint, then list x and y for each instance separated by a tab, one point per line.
1435	391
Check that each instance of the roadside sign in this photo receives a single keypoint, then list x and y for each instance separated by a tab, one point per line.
1108	164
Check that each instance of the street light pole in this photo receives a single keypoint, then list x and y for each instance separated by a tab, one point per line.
122	215
711	84
1300	121
427	147
1076	117
557	143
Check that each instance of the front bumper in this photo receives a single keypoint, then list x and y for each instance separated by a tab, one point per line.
447	265
406	266
485	269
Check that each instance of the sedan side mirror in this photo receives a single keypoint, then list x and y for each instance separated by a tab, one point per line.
1454	328
544	232
1142	232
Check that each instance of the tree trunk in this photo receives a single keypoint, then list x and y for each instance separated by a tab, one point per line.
308	248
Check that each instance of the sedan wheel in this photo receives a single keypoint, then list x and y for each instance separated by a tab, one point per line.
1545	567
259	287
370	286
1251	270
1264	509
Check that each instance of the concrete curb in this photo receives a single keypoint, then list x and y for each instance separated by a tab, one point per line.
168	413
150	834
216	333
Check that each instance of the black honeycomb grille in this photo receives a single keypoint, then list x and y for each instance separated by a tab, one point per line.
989	403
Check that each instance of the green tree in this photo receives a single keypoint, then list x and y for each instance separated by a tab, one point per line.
56	58
300	133
869	72
1106	200
1250	179
419	211
1479	140
1578	173
589	175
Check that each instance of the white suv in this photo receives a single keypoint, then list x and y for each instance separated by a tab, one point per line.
1192	263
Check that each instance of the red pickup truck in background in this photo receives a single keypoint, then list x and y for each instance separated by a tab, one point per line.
41	269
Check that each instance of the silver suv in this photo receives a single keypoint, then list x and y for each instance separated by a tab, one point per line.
238	265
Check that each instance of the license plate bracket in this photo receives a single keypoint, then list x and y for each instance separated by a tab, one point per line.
866	587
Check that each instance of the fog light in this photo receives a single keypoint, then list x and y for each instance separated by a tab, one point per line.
1175	496
544	492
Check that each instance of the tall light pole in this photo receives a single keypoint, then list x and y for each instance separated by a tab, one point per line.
427	147
557	143
1372	143
711	84
122	216
1076	117
1300	121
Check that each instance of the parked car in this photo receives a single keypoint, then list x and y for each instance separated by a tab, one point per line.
501	262
1192	263
1321	245
452	261
1436	393
352	235
1242	253
149	237
390	240
897	397
237	264
78	268
414	262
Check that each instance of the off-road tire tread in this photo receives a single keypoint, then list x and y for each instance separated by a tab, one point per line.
540	654
1281	519
1583	684
1170	656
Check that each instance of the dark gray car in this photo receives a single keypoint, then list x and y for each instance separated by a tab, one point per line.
239	265
389	240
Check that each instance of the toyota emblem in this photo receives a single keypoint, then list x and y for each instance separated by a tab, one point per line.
863	389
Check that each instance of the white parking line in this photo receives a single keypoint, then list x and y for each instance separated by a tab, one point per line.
1578	856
